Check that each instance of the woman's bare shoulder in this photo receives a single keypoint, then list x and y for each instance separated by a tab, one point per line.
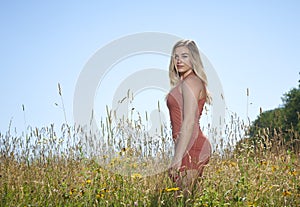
194	81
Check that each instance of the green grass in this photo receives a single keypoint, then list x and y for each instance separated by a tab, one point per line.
42	168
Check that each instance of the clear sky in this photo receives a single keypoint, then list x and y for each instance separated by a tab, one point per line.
251	44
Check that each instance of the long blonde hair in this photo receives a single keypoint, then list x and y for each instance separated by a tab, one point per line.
197	65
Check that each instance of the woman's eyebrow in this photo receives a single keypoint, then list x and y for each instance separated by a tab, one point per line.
185	53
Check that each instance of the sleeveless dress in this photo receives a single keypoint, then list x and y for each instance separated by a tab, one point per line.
199	148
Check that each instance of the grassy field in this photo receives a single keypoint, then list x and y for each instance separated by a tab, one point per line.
42	168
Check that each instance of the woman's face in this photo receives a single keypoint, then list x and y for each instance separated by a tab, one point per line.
182	59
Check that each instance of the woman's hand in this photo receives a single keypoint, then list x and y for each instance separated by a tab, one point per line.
174	170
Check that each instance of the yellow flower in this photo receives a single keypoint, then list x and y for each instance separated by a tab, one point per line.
115	160
171	189
104	190
286	193
123	150
274	168
232	164
73	190
262	162
273	186
294	172
136	175
251	204
88	181
134	165
219	170
99	195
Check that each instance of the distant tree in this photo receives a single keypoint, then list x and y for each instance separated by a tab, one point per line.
291	102
272	119
284	119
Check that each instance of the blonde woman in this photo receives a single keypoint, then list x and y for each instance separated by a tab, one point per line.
185	101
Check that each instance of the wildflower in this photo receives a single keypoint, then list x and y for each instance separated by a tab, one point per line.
286	193
251	204
99	195
274	168
99	170
171	189
123	151
232	164
219	170
293	172
273	186
262	162
88	181
105	190
136	175
73	190
115	161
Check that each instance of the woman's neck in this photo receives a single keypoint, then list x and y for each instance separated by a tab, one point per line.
185	74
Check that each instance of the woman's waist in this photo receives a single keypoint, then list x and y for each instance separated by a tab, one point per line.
196	131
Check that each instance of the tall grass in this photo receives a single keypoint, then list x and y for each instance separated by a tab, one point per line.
127	167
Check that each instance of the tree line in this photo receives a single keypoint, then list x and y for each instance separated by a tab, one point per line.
280	125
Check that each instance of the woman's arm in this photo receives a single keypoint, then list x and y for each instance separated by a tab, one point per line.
191	88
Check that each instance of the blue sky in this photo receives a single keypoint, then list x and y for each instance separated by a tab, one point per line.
251	44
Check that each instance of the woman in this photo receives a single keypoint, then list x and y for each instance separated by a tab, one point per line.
185	102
